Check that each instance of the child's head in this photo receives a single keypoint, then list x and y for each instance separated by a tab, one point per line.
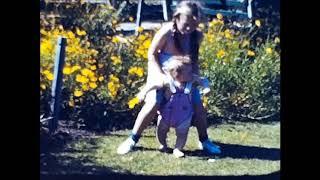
180	68
187	16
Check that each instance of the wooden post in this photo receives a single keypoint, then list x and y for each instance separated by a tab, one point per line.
56	84
249	9
139	11
165	10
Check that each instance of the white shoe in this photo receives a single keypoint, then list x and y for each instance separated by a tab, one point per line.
163	148
126	146
177	153
209	147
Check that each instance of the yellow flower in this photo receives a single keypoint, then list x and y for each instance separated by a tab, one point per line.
139	72
85	87
277	40
136	70
245	43
250	53
113	78
78	93
94	52
75	68
216	22
140	29
46	72
93	85
91	74
258	23
80	33
70	35
49	76
269	50
81	79
101	78
115	39
134	101
71	103
114	22
67	70
43	86
146	44
113	88
85	72
130	19
93	67
210	37
141	37
94	79
221	53
219	16
205	101
42	31
116	60
228	34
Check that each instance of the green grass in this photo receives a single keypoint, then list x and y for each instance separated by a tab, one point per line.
248	149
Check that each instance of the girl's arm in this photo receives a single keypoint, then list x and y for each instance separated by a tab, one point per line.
157	44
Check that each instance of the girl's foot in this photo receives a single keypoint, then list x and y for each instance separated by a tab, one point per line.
177	153
126	146
210	147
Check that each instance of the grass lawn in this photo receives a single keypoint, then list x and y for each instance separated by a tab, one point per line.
247	149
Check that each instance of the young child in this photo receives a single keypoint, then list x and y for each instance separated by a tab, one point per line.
176	109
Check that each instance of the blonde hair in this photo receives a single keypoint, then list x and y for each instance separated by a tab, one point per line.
175	64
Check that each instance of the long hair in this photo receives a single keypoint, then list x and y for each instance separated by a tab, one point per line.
191	8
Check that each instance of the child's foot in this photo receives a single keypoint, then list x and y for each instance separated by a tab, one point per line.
126	146
177	153
163	148
210	147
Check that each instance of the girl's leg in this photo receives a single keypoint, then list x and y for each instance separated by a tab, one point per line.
145	116
200	122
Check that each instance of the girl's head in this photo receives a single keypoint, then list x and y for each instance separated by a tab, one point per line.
187	16
180	68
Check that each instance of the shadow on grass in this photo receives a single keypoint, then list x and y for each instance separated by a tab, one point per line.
67	165
230	150
241	152
127	135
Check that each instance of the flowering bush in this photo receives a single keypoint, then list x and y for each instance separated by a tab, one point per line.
104	69
245	76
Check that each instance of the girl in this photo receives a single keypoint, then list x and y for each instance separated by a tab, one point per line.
179	37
